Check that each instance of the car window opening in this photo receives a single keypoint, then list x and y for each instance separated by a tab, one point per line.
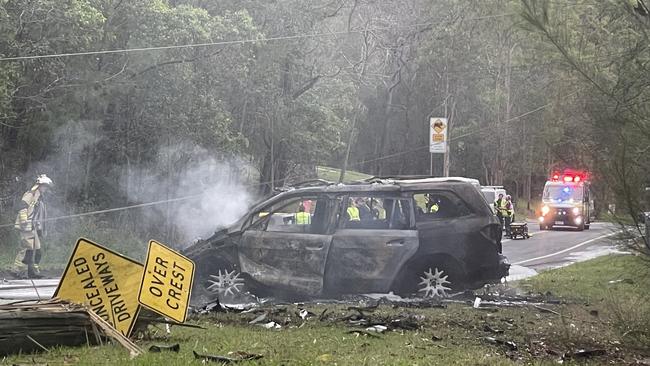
369	212
296	215
438	205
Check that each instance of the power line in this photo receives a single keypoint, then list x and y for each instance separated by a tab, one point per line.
124	208
236	42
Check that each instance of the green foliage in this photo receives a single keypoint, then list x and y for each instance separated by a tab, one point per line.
528	87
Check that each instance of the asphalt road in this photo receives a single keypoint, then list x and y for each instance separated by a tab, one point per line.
559	247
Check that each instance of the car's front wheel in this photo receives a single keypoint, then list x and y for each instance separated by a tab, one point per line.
226	284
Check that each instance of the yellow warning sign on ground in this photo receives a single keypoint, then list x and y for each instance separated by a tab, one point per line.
105	281
166	282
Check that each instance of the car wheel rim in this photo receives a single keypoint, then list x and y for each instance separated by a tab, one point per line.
226	283
433	283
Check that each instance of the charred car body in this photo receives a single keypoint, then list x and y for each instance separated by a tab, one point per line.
379	235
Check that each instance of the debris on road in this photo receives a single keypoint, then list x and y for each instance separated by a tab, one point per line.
36	326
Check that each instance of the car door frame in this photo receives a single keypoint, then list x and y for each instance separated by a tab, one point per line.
292	262
368	260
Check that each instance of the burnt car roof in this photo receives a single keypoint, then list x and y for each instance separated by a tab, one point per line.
381	184
376	185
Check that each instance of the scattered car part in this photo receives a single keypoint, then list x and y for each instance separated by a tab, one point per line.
224	359
359	332
271	325
259	318
377	328
583	353
159	348
510	344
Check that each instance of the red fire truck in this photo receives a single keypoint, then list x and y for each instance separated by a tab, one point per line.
566	201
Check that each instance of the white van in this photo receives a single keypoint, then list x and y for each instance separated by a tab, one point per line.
491	193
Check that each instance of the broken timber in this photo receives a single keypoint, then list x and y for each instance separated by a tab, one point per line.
27	327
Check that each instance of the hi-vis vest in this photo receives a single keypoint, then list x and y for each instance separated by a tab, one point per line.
303	218
434	208
353	213
500	206
31	211
510	209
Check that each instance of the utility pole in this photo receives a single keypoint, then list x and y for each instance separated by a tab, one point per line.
272	156
344	169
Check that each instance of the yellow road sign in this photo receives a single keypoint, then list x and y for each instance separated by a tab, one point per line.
105	281
166	282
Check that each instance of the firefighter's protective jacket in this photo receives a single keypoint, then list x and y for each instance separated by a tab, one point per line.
31	211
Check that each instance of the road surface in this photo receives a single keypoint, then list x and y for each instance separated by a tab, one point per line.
559	247
544	250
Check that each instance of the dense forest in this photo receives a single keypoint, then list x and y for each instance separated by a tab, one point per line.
211	103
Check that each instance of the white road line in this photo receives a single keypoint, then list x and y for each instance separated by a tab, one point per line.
567	249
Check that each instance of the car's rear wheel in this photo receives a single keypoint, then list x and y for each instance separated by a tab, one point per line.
434	283
430	278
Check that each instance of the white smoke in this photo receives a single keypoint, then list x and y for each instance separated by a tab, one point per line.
216	196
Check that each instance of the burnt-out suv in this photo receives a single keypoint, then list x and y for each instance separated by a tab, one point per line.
385	234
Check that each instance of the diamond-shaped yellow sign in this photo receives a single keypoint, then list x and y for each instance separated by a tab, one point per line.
166	282
105	281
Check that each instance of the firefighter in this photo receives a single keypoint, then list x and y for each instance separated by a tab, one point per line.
302	217
29	222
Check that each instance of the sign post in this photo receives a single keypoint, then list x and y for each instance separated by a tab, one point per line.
166	282
437	137
105	281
